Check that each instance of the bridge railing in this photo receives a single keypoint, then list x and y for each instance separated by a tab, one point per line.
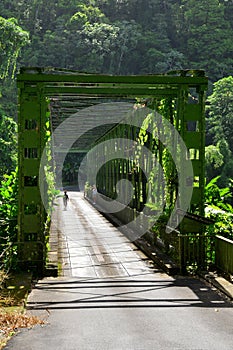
188	251
224	254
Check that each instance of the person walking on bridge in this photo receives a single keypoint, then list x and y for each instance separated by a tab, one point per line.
94	194
65	199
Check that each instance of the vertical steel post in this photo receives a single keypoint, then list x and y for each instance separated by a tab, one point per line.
31	216
192	129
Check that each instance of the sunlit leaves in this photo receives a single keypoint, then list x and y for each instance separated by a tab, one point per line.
220	123
8	145
12	39
219	209
8	210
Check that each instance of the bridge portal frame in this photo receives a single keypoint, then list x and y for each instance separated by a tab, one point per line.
37	85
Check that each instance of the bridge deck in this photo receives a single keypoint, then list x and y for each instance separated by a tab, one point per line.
111	297
90	246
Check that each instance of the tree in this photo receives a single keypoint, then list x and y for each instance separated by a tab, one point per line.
89	38
8	215
220	111
214	161
12	39
220	125
204	36
8	145
161	62
106	47
125	58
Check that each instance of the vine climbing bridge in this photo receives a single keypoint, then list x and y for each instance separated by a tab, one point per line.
63	112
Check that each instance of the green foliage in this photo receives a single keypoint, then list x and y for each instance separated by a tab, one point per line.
219	209
12	39
49	168
220	111
8	98
204	35
8	215
214	161
87	14
122	37
8	198
127	37
8	145
162	185
219	130
137	36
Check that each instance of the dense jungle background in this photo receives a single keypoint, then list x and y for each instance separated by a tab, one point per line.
121	37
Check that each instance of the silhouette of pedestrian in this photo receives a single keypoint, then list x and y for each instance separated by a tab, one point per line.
65	199
94	194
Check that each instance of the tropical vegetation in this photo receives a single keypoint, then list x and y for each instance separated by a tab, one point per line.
121	37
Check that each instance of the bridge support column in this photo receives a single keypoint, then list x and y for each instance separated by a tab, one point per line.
31	140
191	106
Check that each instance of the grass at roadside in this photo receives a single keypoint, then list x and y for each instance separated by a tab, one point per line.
13	294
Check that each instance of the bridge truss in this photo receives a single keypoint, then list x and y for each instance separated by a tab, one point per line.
48	96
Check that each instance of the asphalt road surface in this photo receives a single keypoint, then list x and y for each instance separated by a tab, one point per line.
110	296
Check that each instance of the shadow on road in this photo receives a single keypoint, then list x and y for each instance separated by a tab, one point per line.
125	293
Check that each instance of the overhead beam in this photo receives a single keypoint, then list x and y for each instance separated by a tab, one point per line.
191	77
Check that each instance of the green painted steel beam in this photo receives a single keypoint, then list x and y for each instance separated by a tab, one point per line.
103	91
95	78
112	91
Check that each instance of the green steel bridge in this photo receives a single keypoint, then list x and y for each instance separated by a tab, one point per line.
147	131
